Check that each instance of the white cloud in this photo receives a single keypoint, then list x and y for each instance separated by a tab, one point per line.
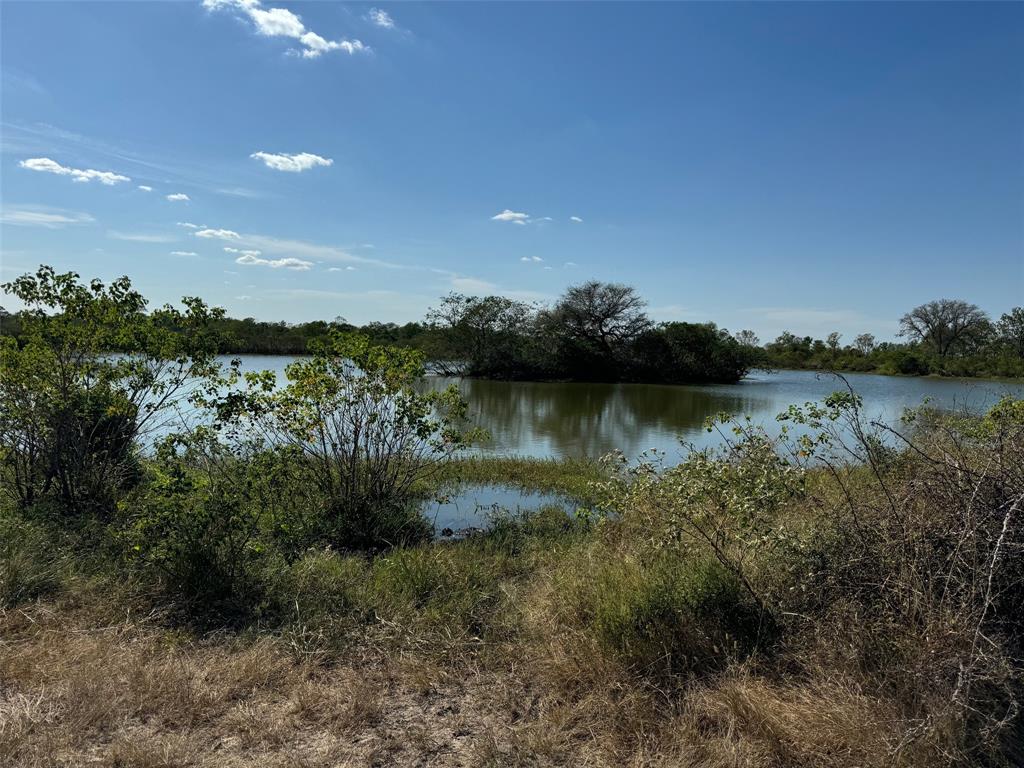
543	218
569	264
339	269
141	237
576	219
46	165
472	284
184	253
249	260
188	225
242	298
530	258
280	22
514	216
229	249
303	161
305	249
177	196
49	218
380	18
144	188
219	234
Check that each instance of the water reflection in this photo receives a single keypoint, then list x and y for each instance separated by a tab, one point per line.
551	419
563	419
476	506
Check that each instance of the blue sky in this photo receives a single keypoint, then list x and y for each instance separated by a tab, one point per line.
810	167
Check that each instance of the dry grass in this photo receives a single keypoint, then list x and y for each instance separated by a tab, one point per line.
74	692
80	685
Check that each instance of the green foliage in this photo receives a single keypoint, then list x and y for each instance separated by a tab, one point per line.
595	332
91	373
195	523
944	346
451	587
361	437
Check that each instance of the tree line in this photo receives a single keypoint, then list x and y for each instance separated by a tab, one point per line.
600	332
947	337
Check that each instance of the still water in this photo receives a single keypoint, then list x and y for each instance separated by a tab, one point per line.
547	420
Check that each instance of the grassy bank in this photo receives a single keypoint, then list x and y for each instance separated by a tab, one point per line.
740	612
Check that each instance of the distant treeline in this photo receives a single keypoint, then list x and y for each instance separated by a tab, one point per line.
600	332
947	337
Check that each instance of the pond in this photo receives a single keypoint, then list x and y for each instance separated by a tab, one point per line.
557	420
476	506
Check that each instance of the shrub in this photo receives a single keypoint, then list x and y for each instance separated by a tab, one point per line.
194	523
91	374
359	434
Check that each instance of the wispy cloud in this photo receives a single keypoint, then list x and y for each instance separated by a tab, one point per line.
280	22
307	250
217	234
141	237
515	217
575	219
184	253
43	139
380	18
249	260
145	188
46	165
177	197
286	247
349	268
188	225
302	161
48	218
472	284
530	258
229	249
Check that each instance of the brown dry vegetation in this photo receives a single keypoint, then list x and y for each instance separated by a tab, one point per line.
85	685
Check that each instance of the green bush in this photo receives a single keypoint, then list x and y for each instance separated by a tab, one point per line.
193	523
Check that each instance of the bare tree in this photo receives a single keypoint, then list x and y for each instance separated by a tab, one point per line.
945	324
606	314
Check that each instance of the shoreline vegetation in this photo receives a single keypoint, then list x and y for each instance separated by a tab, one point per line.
599	332
263	589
